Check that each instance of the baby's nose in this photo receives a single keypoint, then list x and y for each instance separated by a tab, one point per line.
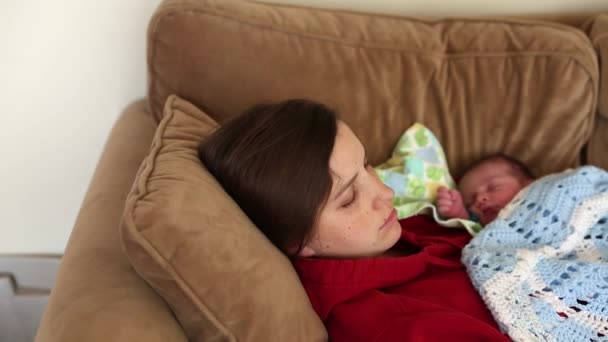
481	198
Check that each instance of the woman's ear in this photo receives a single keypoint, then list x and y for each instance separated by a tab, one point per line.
306	252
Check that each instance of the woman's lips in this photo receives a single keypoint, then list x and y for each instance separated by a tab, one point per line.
392	217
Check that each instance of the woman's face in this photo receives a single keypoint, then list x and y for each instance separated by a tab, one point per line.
359	219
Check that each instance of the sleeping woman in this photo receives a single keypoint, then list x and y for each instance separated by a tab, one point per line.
303	177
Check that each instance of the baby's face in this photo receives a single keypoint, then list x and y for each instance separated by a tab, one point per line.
489	187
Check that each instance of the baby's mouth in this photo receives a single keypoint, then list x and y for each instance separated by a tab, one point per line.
490	213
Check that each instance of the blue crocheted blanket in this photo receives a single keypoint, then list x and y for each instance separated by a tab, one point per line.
542	265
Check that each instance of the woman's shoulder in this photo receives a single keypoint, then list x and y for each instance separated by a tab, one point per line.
422	230
330	282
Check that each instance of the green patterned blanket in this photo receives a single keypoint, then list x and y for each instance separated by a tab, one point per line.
416	169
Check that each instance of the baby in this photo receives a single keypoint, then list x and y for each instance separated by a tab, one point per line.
486	187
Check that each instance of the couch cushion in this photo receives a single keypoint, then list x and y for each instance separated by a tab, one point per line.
525	88
223	279
598	33
597	29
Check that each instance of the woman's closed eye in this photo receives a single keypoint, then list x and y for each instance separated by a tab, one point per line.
350	201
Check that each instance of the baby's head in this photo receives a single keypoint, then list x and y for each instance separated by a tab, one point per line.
489	184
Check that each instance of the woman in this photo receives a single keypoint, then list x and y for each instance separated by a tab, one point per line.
302	177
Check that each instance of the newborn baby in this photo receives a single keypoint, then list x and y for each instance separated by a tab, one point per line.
486	187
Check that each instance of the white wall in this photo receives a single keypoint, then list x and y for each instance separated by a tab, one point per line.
67	69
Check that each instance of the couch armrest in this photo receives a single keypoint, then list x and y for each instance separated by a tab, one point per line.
97	295
598	143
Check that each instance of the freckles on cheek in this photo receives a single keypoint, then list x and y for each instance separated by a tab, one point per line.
347	235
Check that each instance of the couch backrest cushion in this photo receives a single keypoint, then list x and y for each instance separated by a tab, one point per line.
597	29
598	33
187	238
524	88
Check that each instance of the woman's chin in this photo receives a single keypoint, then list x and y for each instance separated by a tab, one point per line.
393	232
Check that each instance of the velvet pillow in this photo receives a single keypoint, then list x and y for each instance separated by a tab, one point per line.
190	241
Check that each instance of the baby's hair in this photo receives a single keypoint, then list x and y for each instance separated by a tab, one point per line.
517	165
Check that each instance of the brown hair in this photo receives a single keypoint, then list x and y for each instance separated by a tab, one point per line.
517	166
273	160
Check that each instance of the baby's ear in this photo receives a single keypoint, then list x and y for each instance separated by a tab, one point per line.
306	252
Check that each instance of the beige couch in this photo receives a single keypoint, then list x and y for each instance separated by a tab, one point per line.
533	89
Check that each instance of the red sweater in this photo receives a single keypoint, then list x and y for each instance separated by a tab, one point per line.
426	296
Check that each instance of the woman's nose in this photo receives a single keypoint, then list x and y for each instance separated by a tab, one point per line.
384	195
387	193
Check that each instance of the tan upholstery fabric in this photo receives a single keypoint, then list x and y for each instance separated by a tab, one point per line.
597	29
224	280
98	296
598	144
524	87
598	33
521	87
